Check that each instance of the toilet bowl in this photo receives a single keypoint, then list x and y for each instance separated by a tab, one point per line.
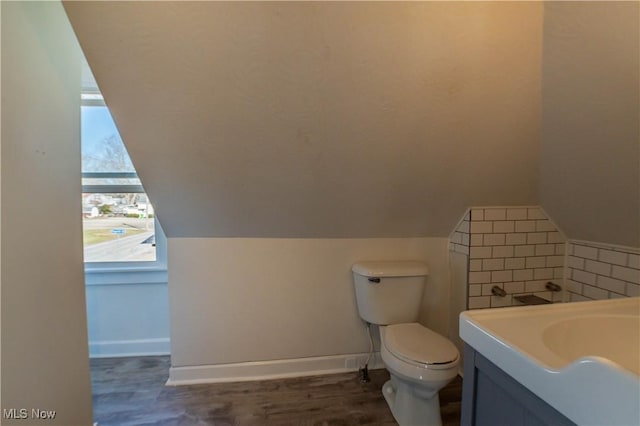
419	360
420	363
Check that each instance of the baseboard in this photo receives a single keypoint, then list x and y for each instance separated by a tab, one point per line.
265	370
124	348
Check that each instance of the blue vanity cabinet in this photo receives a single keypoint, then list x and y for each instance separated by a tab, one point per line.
490	397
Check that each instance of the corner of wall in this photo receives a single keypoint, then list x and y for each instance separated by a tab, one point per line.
597	271
516	249
520	249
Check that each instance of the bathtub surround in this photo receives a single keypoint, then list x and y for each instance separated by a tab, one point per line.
518	249
598	271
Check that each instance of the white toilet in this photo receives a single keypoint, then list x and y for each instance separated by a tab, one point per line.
420	361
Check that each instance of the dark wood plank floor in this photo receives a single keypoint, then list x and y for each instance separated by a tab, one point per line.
131	392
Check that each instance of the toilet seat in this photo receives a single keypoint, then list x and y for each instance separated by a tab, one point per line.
415	344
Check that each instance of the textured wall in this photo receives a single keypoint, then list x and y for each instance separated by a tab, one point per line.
321	119
45	361
236	299
590	142
459	270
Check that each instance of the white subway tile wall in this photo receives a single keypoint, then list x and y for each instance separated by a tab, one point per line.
515	248
460	239
597	271
519	250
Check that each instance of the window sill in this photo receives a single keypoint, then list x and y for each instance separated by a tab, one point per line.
116	267
125	275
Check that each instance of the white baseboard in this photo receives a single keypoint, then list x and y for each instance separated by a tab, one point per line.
124	348
265	370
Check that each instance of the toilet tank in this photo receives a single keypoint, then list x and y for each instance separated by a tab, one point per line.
389	292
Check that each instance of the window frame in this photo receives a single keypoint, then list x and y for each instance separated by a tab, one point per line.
94	99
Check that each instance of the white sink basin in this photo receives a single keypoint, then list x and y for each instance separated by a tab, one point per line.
581	358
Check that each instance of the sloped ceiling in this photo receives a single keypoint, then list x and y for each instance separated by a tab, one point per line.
590	144
329	119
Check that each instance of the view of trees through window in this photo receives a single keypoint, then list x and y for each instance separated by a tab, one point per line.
118	218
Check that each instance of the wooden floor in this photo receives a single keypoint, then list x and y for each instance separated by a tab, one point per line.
131	392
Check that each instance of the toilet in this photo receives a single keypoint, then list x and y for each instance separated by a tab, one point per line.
419	360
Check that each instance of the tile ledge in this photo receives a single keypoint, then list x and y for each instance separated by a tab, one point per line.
607	246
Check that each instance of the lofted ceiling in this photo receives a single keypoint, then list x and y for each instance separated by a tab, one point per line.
328	119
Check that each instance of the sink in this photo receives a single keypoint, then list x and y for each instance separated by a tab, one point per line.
613	337
582	358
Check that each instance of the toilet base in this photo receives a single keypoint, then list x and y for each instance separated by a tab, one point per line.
410	406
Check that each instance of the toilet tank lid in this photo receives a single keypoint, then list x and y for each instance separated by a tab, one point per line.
397	268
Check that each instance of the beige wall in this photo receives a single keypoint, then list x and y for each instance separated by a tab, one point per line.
44	337
317	120
459	269
321	119
590	141
238	299
314	120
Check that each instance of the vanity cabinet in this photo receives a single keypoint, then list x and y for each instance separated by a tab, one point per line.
490	397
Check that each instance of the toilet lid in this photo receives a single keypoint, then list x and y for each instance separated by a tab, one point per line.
414	342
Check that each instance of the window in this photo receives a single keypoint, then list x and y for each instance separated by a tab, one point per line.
119	223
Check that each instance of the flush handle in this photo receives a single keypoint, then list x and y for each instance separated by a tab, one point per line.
374	280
